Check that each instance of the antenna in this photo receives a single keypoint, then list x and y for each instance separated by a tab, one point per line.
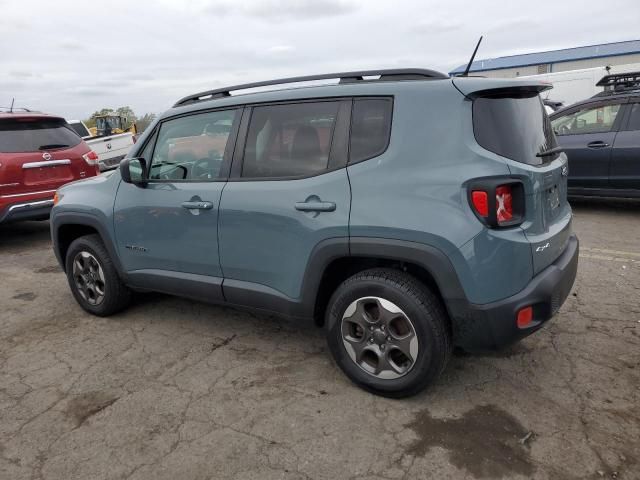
466	70
11	109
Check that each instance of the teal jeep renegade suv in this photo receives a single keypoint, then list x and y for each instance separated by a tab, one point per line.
404	211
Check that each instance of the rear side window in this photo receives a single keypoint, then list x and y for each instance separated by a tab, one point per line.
514	126
31	135
370	128
290	140
634	119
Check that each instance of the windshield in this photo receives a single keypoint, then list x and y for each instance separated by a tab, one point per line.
108	122
30	135
514	126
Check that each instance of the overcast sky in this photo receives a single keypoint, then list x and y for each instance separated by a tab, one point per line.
72	58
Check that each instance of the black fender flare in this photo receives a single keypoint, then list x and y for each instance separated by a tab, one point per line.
88	220
429	258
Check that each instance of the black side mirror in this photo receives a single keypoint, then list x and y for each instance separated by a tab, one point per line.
134	170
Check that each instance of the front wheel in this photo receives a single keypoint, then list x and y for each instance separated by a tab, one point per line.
93	278
388	332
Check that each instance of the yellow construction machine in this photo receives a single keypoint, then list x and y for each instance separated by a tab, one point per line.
112	125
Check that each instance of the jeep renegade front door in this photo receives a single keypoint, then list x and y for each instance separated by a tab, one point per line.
167	230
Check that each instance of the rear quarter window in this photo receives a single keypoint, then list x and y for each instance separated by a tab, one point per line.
370	128
514	126
32	135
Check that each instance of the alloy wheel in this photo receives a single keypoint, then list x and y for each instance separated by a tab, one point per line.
379	337
88	278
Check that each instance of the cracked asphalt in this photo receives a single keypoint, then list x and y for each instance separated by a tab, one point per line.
172	389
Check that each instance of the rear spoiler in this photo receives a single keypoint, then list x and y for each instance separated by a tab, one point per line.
481	87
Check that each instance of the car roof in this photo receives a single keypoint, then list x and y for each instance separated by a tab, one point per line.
22	114
301	93
356	84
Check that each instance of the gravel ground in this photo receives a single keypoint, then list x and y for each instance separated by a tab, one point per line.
175	389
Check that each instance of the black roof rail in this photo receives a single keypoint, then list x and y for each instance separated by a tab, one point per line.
345	77
620	80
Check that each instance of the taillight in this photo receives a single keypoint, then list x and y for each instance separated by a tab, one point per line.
91	158
480	201
497	202
504	204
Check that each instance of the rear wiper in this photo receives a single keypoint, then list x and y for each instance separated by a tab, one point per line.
549	152
53	145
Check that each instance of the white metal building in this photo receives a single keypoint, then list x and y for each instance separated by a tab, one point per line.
608	54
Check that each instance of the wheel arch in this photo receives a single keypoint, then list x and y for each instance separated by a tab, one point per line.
67	227
331	265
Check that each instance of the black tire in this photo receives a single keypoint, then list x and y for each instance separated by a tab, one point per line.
425	312
116	295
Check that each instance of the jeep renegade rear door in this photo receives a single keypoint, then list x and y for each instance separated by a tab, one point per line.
288	193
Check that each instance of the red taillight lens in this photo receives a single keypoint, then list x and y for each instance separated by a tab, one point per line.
497	202
524	317
504	203
480	201
91	158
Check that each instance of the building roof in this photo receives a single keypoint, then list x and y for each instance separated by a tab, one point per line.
554	56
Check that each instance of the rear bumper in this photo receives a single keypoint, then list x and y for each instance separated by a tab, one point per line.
37	209
493	326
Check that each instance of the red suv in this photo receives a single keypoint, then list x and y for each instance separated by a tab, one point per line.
38	154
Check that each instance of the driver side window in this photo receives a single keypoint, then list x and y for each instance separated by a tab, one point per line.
192	148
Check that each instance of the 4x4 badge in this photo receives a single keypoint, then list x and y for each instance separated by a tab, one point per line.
541	248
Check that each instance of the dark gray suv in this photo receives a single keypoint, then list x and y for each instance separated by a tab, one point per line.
402	210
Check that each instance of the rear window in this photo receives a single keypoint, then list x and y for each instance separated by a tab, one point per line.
514	126
17	135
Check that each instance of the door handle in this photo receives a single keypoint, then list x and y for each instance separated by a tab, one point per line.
597	144
197	205
315	206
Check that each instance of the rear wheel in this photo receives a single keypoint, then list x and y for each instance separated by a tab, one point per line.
93	279
388	332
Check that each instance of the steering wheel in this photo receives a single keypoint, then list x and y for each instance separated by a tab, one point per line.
206	168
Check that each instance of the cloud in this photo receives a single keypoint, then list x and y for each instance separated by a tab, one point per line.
513	25
431	27
283	9
149	53
277	49
92	92
21	74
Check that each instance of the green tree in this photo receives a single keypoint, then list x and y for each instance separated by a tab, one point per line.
128	113
144	121
102	112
